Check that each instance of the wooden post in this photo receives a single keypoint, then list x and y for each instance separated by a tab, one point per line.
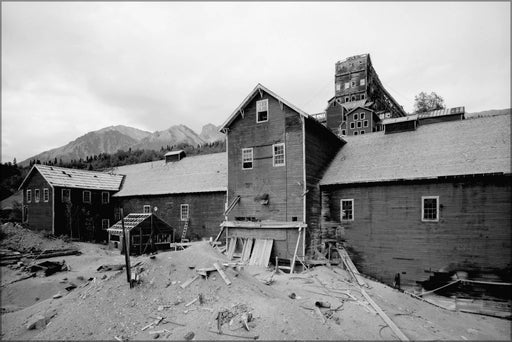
140	240
292	266
126	251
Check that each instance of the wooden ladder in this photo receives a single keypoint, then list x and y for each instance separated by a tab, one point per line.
184	233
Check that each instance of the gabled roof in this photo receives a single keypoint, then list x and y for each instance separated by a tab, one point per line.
256	91
203	173
353	110
354	104
133	220
441	112
73	178
454	148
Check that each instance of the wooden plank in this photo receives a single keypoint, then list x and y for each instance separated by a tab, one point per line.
350	266
246	253
292	266
222	274
385	317
188	282
231	247
265	256
256	251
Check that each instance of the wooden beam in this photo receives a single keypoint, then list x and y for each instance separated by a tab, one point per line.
222	274
188	282
292	266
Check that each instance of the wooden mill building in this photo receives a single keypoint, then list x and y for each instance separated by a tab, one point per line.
434	196
182	191
71	202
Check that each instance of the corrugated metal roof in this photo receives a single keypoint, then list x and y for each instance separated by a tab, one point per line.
73	178
441	112
465	147
204	173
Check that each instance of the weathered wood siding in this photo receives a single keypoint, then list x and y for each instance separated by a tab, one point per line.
81	220
39	215
283	184
321	147
334	116
206	211
387	235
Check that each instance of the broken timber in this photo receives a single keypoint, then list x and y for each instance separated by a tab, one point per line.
350	266
188	282
222	274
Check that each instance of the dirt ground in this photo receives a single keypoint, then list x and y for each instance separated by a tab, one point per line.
103	307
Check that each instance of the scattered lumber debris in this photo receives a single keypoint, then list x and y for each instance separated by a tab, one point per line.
222	274
49	267
189	281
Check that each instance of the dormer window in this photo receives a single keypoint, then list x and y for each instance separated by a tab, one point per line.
262	111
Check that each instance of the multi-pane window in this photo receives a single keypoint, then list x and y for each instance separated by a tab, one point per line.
347	209
46	195
86	196
365	123
430	208
105	197
247	158
262	110
66	195
29	196
36	195
184	212
278	153
146	209
105	224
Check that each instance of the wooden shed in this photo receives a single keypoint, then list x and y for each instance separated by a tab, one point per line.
145	232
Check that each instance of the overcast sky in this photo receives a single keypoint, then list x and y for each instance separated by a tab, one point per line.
70	68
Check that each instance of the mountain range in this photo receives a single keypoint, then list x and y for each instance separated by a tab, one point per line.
113	138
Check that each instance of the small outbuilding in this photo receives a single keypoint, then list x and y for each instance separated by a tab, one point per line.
145	232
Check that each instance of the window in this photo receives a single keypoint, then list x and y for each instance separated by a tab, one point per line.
352	125
278	154
356	116
247	158
117	214
184	212
105	224
355	132
105	197
262	110
362	81
338	86
344	117
361	116
86	196
365	123
347	85
359	124
36	195
146	209
430	208
347	99
66	195
353	97
343	132
347	209
29	196
46	195
361	97
362	132
353	83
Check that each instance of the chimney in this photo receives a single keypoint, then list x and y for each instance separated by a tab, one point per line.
174	156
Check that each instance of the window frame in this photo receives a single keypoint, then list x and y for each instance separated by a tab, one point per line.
148	207
343	132
182	218
62	194
347	98
274	155
347	85
29	196
108	197
362	82
362	116
362	132
258	111
352	125
83	196
338	86
252	158
356	116
103	224
365	123
423	219
341	209
361	97
359	124
37	195
46	195
355	133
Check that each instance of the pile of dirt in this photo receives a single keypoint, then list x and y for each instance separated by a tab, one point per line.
322	303
18	238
